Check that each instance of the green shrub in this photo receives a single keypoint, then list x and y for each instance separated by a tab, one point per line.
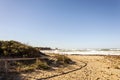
62	59
17	49
42	65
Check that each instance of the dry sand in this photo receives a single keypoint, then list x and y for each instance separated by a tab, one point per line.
86	68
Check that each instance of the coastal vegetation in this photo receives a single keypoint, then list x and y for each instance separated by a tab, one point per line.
43	48
17	49
62	59
14	49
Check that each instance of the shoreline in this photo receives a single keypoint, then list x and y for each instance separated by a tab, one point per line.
82	52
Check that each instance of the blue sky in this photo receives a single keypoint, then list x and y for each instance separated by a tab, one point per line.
61	23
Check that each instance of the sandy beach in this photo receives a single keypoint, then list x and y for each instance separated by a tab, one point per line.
86	68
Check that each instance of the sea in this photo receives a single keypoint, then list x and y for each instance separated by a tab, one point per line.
112	51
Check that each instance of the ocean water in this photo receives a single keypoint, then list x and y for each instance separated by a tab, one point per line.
84	52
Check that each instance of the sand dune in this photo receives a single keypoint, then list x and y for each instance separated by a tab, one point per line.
96	68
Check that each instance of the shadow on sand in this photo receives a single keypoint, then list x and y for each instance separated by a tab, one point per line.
11	76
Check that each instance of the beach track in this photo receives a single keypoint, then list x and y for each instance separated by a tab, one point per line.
80	67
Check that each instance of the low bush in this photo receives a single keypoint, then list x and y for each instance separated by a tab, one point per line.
17	49
42	65
62	59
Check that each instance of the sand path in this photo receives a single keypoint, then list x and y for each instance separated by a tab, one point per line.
98	68
87	68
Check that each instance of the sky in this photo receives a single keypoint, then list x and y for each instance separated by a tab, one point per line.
65	24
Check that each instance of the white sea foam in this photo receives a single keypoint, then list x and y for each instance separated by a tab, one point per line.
84	52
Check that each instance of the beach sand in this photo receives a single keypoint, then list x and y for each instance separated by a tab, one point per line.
86	68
